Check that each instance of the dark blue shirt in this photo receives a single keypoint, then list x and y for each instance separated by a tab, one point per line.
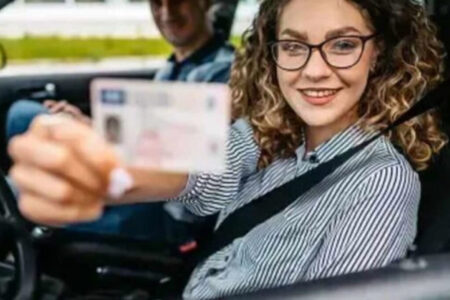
211	63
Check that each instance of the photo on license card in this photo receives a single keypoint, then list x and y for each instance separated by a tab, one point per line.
113	128
168	126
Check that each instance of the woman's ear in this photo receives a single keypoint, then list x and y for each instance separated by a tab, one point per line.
378	48
374	60
373	66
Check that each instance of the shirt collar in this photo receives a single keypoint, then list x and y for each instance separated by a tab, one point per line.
213	44
341	142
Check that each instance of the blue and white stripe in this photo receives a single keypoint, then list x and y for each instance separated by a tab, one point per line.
362	216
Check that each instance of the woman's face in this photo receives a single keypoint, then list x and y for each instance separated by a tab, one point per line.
321	95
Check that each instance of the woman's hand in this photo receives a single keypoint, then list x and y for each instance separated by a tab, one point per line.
62	169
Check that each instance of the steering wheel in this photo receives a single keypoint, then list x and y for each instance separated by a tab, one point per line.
15	234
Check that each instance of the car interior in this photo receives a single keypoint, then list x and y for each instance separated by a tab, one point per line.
55	263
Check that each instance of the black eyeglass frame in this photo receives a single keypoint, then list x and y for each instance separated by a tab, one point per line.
311	47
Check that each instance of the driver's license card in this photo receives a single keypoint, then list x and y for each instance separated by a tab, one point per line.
167	126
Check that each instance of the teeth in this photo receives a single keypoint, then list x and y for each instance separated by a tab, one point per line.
319	93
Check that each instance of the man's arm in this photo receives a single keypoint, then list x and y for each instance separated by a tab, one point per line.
63	107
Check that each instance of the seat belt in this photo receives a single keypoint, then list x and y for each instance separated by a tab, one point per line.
244	219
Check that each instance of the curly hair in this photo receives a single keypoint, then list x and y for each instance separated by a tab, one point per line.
411	64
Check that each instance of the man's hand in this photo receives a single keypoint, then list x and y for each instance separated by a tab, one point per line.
55	107
62	171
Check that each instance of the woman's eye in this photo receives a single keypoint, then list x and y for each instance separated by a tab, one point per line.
344	46
294	48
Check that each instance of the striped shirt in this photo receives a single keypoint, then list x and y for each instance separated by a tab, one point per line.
360	217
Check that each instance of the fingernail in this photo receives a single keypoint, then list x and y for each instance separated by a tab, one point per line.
120	181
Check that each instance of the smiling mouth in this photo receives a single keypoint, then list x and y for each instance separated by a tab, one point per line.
319	96
319	93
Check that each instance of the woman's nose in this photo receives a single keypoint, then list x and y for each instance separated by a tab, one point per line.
316	68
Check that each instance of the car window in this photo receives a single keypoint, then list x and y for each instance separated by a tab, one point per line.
66	35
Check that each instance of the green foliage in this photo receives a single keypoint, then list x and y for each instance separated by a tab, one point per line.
34	47
81	48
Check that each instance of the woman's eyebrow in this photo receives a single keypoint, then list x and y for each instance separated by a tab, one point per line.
341	31
302	36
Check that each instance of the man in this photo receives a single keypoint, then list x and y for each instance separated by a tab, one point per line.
199	55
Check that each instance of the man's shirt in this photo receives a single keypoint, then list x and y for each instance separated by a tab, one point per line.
211	63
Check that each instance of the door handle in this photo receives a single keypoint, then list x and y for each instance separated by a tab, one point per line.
38	92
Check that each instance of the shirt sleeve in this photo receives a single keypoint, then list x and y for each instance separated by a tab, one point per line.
375	230
207	194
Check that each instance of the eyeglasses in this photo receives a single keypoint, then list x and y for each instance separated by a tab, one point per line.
341	52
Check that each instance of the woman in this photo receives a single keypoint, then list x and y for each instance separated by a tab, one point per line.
316	78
